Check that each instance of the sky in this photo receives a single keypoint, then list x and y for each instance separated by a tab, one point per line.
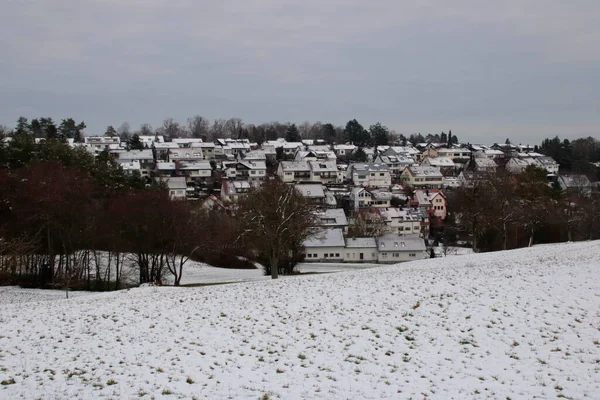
519	69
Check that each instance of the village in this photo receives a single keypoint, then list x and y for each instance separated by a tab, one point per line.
375	204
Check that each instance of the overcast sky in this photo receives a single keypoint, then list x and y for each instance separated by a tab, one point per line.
524	69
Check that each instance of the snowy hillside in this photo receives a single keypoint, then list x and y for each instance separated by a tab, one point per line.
522	324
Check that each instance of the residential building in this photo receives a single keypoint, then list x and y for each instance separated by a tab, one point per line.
231	191
422	177
370	175
325	172
294	171
177	187
333	218
432	201
483	165
401	222
326	245
362	249
394	249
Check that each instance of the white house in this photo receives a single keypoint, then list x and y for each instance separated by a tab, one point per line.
370	175
325	172
361	250
177	187
333	218
401	222
196	170
394	249
325	245
422	176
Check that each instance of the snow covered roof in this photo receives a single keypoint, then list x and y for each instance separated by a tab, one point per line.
176	182
200	165
333	217
370	167
294	166
425	171
364	242
323	166
311	190
400	243
136	155
439	162
485	163
326	238
165	166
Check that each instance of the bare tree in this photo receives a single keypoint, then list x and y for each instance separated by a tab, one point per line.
217	129
275	218
233	127
124	132
198	126
171	129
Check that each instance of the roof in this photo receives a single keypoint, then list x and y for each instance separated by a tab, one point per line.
254	164
201	165
294	166
439	162
165	166
400	243
333	217
176	182
136	155
354	243
311	190
323	166
425	171
574	181
370	167
485	163
326	238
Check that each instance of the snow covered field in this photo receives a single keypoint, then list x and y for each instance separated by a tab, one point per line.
521	325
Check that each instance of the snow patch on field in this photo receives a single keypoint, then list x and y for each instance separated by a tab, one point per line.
520	324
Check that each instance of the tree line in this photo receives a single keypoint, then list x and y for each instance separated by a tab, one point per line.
501	211
235	128
70	219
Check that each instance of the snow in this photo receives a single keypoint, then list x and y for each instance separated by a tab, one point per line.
521	324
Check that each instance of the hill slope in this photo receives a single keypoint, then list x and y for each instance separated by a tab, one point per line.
518	324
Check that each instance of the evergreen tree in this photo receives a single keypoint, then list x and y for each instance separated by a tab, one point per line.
443	138
380	135
356	134
329	133
359	155
69	129
110	131
292	134
23	127
135	143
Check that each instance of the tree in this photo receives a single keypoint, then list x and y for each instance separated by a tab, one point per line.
146	130
356	134
23	127
199	127
233	128
124	132
507	141
444	138
292	134
69	129
110	131
170	129
329	133
367	223
136	143
380	135
359	155
452	138
275	219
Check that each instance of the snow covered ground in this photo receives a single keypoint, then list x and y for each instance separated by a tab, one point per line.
521	324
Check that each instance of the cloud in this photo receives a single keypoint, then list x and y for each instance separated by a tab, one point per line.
516	63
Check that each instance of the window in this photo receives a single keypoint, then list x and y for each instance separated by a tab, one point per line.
315	255
384	255
412	255
396	255
325	255
253	172
362	177
330	254
347	255
381	174
309	255
337	255
372	174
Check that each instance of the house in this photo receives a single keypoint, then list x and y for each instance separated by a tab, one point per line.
255	155
199	171
162	149
362	249
483	165
422	177
165	168
231	191
401	222
445	164
290	148
211	203
144	157
394	249
315	193
294	171
97	144
548	164
370	175
149	140
186	142
315	155
189	154
325	172
343	150
432	201
177	187
458	155
208	149
333	218
577	184
246	170
364	198
131	167
325	245
518	165
395	162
